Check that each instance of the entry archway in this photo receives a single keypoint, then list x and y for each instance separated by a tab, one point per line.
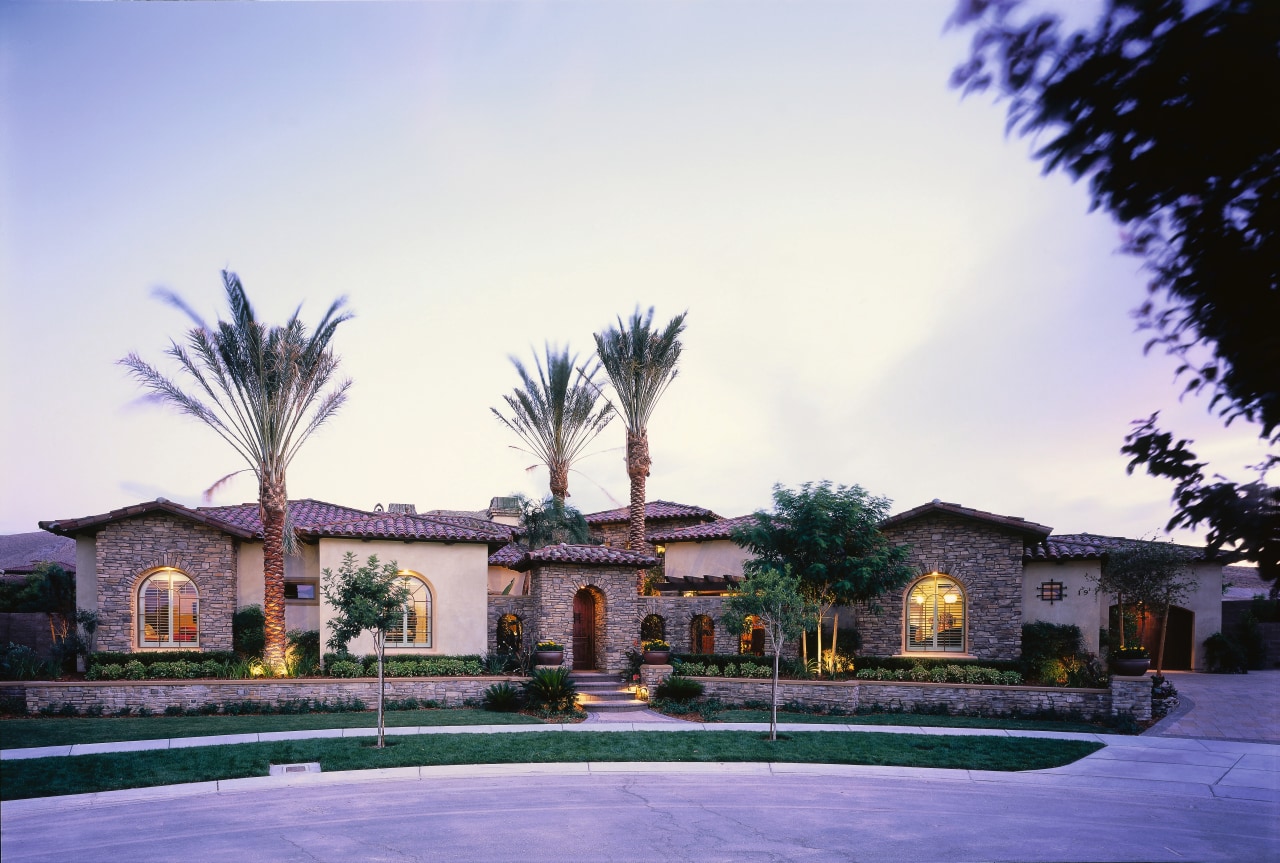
588	628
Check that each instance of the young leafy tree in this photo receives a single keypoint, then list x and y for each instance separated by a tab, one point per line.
262	390
366	598
1150	575
641	363
774	598
830	539
1137	104
557	415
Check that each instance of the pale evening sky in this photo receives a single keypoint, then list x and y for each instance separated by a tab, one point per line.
881	288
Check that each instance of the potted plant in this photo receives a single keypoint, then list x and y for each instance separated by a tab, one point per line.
656	651
548	652
1129	661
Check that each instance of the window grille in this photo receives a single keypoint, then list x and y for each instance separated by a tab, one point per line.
935	616
414	628
168	611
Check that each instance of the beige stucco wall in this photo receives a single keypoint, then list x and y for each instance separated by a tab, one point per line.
1088	610
457	575
1080	605
500	577
711	557
250	587
87	573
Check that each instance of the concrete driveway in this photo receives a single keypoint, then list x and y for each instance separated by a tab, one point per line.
1225	706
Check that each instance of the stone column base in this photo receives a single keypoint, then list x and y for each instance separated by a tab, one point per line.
1131	695
652	676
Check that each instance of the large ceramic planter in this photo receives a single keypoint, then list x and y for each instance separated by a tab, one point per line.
1135	667
548	657
657	657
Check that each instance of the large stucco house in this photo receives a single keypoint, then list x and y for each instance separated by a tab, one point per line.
165	576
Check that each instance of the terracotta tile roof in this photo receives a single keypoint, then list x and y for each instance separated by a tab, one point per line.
311	519
1088	546
1242	582
601	555
20	553
720	529
508	555
88	524
1016	523
654	509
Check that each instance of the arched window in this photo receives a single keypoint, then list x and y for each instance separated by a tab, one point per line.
168	610
653	626
752	641
414	628
510	634
702	635
935	615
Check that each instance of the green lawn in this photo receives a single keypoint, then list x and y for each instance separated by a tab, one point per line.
42	777
913	719
20	733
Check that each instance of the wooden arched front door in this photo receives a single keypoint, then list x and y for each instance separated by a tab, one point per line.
584	631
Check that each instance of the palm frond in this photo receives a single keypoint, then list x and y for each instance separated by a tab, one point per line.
641	363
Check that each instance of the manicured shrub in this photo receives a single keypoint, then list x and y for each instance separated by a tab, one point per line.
248	631
679	689
346	668
551	689
502	698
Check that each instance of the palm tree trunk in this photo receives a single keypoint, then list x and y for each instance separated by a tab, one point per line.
559	482
1164	627
638	463
273	503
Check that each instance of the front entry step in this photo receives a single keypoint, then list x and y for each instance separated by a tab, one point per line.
601	692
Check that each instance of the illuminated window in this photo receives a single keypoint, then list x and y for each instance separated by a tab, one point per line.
702	635
510	635
168	611
935	615
752	641
414	628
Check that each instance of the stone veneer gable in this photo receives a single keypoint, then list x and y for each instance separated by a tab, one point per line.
128	549
986	560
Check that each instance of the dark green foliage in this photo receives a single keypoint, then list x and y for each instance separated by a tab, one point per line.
550	522
19	662
893	663
1053	655
248	631
459	665
679	689
1136	104
551	689
1265	610
150	657
502	698
13	705
303	654
720	660
48	588
831	539
1224	655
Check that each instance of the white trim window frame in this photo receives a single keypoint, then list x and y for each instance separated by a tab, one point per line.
168	611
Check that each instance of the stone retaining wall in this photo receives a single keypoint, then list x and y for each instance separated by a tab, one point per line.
1126	695
156	695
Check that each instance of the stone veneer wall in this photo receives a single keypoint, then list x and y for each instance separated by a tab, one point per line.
522	607
615	533
156	695
678	612
128	549
617	627
985	560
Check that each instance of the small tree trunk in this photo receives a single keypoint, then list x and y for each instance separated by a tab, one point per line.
835	631
773	699
1164	627
380	643
804	648
1120	614
819	646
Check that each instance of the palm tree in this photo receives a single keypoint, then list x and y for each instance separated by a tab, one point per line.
260	388
641	364
556	414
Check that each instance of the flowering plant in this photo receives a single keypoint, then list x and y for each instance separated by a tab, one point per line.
1138	652
656	644
548	644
